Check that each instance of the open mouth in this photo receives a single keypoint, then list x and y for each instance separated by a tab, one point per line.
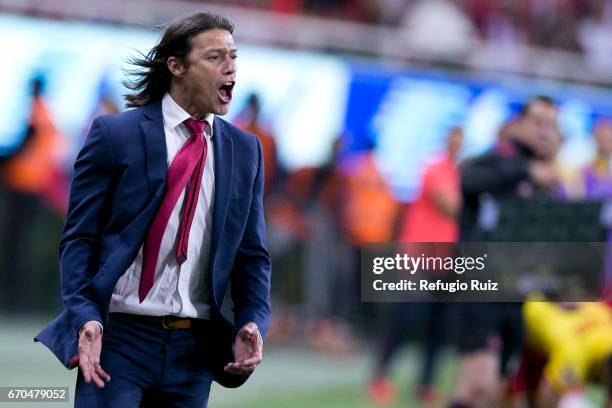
225	91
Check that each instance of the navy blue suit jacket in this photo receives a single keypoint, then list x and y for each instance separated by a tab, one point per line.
118	184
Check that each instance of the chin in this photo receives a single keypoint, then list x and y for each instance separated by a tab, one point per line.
221	110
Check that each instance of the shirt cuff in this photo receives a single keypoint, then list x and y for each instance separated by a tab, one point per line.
95	321
258	335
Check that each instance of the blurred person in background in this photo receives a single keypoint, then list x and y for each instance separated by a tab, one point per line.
155	234
369	214
104	106
432	217
502	22
285	224
327	259
521	165
594	33
594	182
568	345
555	24
34	183
288	235
359	10
370	211
491	334
250	120
507	131
35	167
311	265
438	28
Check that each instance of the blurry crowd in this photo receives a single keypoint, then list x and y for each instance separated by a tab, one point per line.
513	32
575	25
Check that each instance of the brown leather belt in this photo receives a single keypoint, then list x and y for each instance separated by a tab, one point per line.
167	322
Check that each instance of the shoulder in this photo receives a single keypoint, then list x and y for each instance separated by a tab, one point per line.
120	128
120	120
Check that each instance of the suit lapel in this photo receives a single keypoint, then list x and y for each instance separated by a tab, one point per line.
155	142
223	149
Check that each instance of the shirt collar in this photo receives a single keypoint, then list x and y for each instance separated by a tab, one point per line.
174	115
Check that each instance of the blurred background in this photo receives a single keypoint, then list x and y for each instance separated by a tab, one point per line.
352	101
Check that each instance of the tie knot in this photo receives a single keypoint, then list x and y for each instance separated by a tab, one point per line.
196	127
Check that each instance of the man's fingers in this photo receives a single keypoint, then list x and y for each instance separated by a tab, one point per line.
253	361
247	368
85	371
239	371
94	373
232	368
248	364
101	373
96	379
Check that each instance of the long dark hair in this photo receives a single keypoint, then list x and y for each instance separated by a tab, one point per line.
150	80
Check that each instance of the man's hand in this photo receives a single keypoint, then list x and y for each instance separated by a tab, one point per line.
90	346
248	349
543	173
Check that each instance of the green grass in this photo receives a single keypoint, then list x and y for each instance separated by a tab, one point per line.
341	397
289	377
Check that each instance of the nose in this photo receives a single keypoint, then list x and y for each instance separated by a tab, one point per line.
229	68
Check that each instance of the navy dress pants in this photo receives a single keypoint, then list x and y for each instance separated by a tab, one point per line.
151	366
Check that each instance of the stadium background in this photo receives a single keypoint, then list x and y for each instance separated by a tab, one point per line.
397	73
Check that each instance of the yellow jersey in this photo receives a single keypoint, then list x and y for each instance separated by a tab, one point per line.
574	340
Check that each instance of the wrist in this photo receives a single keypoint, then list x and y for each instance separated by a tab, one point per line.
259	336
92	322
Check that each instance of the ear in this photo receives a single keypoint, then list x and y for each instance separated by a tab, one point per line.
175	66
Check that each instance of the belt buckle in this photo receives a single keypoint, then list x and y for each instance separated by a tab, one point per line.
174	322
164	324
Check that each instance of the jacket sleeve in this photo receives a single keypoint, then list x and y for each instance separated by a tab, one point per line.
492	173
90	193
250	279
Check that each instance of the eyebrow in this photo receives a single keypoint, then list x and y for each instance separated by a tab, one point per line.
224	50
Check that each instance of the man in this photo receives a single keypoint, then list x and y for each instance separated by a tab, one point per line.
594	181
165	213
521	168
32	183
432	217
250	120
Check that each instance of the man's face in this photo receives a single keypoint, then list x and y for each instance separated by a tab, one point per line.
209	79
455	139
540	130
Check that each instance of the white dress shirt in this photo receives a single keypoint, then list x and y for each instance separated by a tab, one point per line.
177	290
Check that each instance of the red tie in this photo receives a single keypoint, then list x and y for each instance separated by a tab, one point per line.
185	170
